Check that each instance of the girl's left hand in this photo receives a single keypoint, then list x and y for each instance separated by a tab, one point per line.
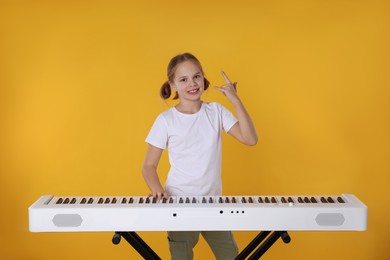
229	89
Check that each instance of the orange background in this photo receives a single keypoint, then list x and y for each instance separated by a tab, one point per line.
79	84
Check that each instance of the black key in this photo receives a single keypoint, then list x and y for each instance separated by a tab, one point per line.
90	201
210	200
300	200
260	200
227	200
154	200
107	201
131	200
323	200
100	201
66	201
330	200
339	199
234	200
204	200
193	200
313	200
59	201
141	200
83	200
273	200
284	200
267	200
243	200
307	200
290	200
181	200
220	200
187	200
124	200
73	201
250	200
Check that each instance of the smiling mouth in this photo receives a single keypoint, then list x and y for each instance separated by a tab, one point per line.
193	91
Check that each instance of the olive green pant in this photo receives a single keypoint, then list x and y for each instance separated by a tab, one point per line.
222	244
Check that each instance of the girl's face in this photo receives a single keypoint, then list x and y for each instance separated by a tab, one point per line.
188	81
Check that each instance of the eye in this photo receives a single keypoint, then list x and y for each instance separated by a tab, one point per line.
183	80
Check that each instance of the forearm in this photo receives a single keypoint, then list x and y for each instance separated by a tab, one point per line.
247	128
149	172
151	178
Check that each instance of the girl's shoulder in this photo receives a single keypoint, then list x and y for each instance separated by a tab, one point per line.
167	113
214	106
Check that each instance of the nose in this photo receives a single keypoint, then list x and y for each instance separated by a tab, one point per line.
193	82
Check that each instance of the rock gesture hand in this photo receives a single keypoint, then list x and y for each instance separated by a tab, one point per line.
229	89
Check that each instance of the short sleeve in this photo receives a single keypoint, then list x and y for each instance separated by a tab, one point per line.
158	134
228	119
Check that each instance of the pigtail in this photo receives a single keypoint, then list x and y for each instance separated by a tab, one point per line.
165	90
206	84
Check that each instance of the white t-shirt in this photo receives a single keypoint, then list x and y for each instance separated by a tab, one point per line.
194	148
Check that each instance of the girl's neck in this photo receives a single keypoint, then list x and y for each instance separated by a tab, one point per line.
190	107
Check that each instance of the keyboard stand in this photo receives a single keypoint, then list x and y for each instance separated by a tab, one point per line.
275	235
137	243
147	253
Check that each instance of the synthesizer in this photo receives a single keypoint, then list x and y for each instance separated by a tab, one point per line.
343	212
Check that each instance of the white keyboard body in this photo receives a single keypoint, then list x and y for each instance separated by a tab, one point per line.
288	213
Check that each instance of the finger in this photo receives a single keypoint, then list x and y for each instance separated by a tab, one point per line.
160	195
226	77
154	195
222	89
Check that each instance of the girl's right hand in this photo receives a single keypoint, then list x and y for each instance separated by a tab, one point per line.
159	195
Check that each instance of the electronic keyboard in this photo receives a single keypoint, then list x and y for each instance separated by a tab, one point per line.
344	212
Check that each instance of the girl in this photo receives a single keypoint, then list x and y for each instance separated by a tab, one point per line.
192	131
